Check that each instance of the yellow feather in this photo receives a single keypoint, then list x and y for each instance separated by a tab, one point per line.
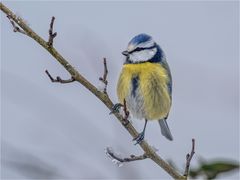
153	88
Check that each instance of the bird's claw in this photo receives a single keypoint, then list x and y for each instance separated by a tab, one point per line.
116	108
139	138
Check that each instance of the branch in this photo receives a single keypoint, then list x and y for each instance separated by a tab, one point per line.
15	27
58	79
126	113
117	107
189	158
148	150
114	156
104	78
51	34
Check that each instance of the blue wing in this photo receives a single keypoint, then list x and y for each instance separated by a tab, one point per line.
163	122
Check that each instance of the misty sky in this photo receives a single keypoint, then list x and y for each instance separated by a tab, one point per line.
60	131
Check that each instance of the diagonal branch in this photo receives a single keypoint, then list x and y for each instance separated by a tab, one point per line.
148	150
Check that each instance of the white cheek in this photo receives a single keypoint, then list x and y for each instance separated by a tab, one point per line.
143	55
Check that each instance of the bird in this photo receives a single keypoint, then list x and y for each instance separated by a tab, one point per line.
145	84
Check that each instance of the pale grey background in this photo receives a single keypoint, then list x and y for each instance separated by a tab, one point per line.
60	131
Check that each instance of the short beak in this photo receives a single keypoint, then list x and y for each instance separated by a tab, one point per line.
125	53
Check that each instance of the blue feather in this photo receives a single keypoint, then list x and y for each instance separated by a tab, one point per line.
158	57
140	39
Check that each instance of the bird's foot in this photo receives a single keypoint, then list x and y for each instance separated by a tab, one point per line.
139	138
116	108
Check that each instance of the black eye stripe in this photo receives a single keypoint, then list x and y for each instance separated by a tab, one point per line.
140	49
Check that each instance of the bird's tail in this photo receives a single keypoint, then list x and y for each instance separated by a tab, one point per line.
165	129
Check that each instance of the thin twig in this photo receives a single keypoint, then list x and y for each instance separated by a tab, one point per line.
189	158
129	159
51	34
15	27
58	79
104	78
126	113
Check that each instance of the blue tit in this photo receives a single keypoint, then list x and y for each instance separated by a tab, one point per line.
145	83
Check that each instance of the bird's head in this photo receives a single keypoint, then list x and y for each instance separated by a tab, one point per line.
142	48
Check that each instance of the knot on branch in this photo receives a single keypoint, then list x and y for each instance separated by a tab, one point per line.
16	28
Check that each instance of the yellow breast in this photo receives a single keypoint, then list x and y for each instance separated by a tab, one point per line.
152	87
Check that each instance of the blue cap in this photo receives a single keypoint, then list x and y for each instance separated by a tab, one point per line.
140	38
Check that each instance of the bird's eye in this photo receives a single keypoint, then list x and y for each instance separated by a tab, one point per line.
137	49
142	48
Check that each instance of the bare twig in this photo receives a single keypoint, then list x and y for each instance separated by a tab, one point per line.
58	79
15	27
104	78
189	158
132	157
51	34
126	113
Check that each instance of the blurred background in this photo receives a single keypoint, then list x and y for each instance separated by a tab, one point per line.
61	130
